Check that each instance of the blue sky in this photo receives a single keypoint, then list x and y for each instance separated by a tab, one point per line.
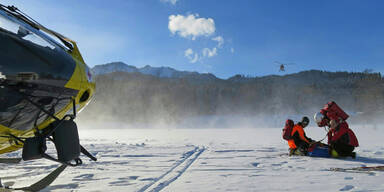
223	37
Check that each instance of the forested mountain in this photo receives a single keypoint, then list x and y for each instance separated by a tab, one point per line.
136	98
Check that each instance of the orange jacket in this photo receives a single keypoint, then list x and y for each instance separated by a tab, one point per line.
297	128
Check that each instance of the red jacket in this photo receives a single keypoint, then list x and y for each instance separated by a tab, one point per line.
335	135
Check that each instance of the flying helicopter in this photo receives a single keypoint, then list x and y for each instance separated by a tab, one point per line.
44	84
283	65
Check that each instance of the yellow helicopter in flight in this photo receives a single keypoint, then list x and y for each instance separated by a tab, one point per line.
44	83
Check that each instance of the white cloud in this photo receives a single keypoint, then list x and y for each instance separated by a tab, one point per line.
191	26
232	50
209	52
193	57
220	41
188	52
173	2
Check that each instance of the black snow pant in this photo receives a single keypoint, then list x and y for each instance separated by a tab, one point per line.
343	149
301	150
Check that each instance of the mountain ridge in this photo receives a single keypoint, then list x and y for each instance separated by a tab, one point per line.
162	72
308	76
133	97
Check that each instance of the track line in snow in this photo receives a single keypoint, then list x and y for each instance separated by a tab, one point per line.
175	172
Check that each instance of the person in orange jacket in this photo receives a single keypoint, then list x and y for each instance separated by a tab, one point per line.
299	143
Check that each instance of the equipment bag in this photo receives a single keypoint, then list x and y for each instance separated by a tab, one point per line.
288	129
333	111
318	150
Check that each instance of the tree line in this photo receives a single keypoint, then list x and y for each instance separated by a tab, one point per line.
138	98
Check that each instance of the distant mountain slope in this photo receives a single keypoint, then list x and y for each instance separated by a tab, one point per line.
147	95
162	72
113	67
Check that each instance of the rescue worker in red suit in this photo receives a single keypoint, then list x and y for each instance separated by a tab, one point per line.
299	143
341	140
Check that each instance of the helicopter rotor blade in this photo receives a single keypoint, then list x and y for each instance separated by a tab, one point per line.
279	63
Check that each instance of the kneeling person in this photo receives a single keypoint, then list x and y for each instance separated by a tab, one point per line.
342	140
299	143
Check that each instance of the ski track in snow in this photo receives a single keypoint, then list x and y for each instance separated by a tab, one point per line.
208	161
109	169
175	172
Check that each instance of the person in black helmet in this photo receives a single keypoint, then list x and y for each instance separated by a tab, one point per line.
299	143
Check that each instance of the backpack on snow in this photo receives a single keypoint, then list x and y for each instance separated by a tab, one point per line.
288	129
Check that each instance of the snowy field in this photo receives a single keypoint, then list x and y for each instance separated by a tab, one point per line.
205	160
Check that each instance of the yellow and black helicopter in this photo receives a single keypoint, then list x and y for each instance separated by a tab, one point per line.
44	83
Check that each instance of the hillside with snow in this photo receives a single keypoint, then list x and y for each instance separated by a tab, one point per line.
151	96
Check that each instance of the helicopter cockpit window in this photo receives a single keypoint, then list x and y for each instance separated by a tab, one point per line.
29	54
33	66
8	26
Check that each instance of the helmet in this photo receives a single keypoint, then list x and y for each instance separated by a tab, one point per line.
318	117
305	121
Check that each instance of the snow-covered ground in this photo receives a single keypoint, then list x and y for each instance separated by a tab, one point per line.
205	160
